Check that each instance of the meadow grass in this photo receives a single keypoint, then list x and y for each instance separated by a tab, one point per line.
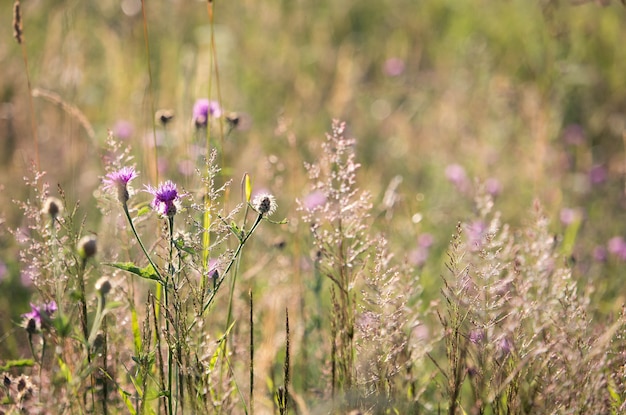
336	207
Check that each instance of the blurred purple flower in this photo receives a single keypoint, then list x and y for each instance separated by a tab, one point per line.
569	216
493	186
213	269
38	314
504	347
455	173
123	129
314	199
574	135
617	246
600	254
119	180
418	256
425	240
475	233
164	197
186	167
203	109
597	175
476	336
393	67
3	270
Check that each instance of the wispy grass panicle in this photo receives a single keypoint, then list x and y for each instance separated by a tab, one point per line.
507	296
339	227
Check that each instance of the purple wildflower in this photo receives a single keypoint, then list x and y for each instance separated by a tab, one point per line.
213	269
425	240
600	254
476	232
418	256
493	186
617	247
394	67
204	109
569	216
476	336
314	199
455	173
597	175
38	315
119	180
164	197
123	129
4	270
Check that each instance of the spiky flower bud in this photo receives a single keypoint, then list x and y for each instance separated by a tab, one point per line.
53	207
87	247
103	286
164	116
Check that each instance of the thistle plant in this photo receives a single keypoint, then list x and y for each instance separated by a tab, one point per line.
185	289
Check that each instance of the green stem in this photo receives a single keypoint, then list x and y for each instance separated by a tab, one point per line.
242	243
170	351
143	248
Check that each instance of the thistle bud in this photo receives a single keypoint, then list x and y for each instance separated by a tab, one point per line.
53	207
87	247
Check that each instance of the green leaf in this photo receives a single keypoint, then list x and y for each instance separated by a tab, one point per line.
180	245
17	363
147	272
235	229
143	211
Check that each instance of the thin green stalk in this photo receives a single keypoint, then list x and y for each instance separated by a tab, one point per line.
158	343
242	243
150	91
18	31
251	354
170	352
143	248
83	319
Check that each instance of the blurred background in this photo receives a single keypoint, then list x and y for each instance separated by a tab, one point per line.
525	97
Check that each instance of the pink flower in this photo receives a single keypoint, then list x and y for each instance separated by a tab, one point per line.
38	314
119	180
164	197
203	109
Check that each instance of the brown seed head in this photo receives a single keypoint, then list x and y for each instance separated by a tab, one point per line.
17	22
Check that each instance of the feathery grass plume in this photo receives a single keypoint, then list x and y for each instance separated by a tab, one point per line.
339	228
507	296
383	325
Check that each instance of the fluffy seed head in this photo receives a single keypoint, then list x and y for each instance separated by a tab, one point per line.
52	206
265	204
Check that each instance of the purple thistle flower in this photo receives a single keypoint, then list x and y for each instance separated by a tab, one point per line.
38	314
203	109
119	180
164	197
